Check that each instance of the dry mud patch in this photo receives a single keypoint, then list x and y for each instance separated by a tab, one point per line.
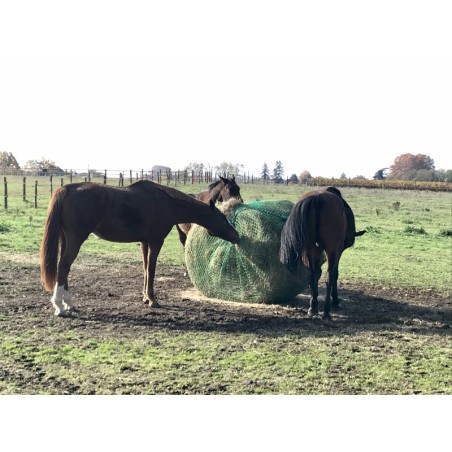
109	302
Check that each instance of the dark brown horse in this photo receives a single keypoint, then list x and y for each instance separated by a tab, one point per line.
321	221
143	212
220	190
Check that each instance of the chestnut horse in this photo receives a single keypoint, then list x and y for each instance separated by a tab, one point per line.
321	221
142	212
220	190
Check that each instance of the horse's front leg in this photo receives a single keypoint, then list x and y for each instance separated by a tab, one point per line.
153	250
145	253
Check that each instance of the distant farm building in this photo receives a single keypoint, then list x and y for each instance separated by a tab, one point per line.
160	168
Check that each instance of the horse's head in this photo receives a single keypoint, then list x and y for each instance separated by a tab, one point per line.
219	226
229	190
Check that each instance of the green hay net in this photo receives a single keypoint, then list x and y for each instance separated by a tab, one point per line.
250	271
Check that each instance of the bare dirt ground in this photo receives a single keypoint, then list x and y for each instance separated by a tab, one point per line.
109	307
110	304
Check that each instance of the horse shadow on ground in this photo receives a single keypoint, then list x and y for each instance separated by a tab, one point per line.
360	313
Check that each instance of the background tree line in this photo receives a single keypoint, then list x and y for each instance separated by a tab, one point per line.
8	161
406	167
418	167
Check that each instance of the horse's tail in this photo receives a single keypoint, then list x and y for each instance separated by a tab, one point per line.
50	244
299	232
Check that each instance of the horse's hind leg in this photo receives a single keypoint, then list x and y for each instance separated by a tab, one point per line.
314	272
61	298
331	284
150	253
67	298
313	302
334	295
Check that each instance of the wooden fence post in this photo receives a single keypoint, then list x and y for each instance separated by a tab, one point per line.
36	194
51	185
24	189
105	177
6	193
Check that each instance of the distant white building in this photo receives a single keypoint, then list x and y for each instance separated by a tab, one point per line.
158	168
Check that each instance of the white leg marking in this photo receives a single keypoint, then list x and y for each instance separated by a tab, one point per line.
67	301
57	301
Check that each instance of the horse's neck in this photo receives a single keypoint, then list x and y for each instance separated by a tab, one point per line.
215	193
211	195
192	212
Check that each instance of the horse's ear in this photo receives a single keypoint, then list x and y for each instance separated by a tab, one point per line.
360	233
223	179
233	178
212	204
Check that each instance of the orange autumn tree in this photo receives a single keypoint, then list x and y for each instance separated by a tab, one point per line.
405	166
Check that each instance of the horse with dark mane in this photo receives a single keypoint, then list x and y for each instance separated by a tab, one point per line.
220	190
321	221
142	212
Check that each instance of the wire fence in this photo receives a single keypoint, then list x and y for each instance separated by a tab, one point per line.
169	177
35	185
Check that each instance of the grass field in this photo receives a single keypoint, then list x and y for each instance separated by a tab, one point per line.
402	263
410	228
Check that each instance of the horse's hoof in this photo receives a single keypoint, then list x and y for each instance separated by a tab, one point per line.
62	314
337	306
151	303
326	317
312	312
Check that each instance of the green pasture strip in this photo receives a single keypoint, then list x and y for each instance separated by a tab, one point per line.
407	244
382	362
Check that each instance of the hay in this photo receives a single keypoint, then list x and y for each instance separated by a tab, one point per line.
249	271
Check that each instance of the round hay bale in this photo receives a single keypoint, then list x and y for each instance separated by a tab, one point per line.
249	271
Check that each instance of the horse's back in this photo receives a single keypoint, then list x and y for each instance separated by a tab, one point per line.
332	224
321	219
328	194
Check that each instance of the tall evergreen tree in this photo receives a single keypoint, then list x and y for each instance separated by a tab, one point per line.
278	173
265	174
